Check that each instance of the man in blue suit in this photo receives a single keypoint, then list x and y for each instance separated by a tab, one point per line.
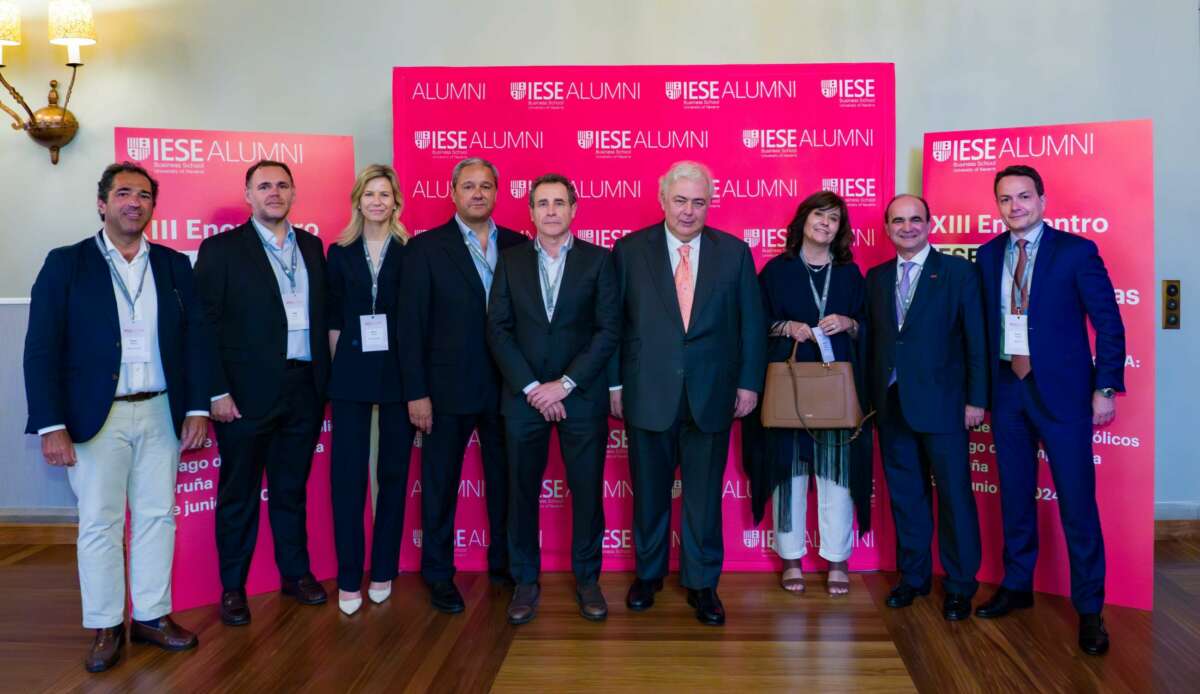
115	377
1041	287
928	380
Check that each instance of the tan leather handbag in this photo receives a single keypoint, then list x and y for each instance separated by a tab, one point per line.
811	395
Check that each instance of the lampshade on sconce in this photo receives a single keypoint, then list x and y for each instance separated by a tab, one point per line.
71	25
10	27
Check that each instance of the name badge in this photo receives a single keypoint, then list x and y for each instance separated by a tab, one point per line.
1016	334
297	313
824	344
374	332
135	343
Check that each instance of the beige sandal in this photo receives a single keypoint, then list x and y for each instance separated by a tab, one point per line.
838	588
792	578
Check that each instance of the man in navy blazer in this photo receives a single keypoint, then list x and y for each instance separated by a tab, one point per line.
450	379
928	380
116	382
1041	288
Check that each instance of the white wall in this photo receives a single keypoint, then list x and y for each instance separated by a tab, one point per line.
324	67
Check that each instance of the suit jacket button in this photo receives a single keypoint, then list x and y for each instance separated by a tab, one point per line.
116	377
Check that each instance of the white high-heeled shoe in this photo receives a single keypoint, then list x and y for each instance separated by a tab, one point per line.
378	595
349	605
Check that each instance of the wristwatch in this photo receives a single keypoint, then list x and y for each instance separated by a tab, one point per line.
567	385
1107	392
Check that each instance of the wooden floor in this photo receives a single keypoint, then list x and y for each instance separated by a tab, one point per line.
772	642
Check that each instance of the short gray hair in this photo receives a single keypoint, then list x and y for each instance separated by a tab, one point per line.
690	170
473	161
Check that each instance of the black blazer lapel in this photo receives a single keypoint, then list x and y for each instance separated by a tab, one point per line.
164	285
571	279
658	264
456	249
929	283
256	256
887	289
706	278
525	281
993	308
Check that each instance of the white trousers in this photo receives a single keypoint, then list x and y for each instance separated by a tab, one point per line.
835	521
133	458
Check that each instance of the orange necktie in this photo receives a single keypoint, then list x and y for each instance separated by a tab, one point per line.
683	285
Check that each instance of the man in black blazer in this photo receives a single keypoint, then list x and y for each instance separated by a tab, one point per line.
552	326
263	289
116	381
928	378
692	358
449	377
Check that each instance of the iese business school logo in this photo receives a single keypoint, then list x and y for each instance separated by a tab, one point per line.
709	94
554	93
851	93
138	148
978	151
519	188
473	140
855	191
620	144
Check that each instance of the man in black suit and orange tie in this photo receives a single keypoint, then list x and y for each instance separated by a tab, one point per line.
449	377
928	380
552	326
692	358
263	290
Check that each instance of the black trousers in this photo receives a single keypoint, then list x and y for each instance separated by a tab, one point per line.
908	458
653	457
349	478
441	472
582	443
281	442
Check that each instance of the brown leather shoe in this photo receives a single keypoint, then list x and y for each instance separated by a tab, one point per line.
234	610
592	604
106	648
305	589
523	606
164	633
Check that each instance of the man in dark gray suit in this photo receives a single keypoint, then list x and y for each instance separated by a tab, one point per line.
692	358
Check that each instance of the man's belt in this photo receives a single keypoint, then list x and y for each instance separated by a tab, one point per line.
138	397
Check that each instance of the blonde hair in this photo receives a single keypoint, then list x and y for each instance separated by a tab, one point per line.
354	229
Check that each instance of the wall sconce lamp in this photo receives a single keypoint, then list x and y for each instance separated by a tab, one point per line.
71	25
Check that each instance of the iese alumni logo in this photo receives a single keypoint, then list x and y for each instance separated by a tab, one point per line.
989	149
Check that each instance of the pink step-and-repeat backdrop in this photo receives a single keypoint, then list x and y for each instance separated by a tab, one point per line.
1100	185
772	134
202	192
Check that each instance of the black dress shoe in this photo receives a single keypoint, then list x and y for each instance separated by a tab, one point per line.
444	597
1093	637
956	607
904	594
641	593
234	610
305	589
1003	602
106	648
709	609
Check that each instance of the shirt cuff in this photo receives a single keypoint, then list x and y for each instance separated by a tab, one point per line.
46	430
196	413
218	397
613	389
529	388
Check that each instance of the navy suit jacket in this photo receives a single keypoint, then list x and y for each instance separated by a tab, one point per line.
73	345
940	355
723	349
578	342
1070	286
444	355
357	375
244	309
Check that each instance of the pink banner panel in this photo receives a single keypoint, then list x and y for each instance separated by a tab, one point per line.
772	134
1100	185
202	192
